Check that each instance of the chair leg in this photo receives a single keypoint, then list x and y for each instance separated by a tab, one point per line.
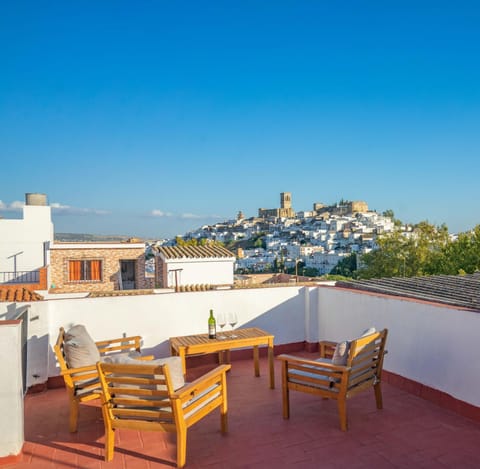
109	443
285	392
342	413
73	421
378	395
224	406
181	445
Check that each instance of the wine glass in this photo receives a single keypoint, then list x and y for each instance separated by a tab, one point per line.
222	321
232	320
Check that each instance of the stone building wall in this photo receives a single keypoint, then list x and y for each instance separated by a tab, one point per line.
161	273
110	258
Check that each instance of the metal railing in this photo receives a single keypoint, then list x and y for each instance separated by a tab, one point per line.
27	276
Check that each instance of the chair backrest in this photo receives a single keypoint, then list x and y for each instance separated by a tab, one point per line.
365	359
74	378
58	349
84	379
138	396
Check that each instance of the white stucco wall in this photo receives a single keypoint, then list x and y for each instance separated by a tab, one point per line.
429	344
212	271
11	393
28	235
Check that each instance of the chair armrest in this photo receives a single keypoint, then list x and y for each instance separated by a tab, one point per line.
206	380
81	369
326	348
292	359
85	377
145	357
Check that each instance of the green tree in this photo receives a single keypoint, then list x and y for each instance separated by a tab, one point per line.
389	213
347	266
405	254
309	272
459	256
196	242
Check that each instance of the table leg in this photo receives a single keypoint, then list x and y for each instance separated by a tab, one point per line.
255	360
224	357
181	354
271	365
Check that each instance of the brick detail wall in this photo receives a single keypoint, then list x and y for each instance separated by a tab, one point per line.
110	268
161	274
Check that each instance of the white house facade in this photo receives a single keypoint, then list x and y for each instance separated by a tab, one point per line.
24	243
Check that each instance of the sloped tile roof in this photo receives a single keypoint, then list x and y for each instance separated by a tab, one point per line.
194	252
454	290
19	294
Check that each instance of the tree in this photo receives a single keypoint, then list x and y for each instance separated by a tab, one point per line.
346	267
196	242
259	243
309	272
389	213
459	256
405	255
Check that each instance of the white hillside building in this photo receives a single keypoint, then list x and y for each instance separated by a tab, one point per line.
24	243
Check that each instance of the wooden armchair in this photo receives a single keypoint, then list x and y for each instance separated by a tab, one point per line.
363	370
142	397
82	382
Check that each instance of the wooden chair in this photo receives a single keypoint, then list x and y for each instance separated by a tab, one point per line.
82	383
362	371
141	397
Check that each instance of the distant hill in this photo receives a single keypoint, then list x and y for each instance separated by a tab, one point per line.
92	238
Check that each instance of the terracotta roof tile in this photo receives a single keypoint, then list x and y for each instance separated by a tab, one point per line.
194	252
454	290
18	294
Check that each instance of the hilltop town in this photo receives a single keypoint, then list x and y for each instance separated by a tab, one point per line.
281	238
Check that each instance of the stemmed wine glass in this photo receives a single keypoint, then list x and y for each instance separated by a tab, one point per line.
232	320
222	321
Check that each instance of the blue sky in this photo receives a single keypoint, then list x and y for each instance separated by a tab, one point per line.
152	118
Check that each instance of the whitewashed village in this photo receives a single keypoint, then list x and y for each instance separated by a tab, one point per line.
318	238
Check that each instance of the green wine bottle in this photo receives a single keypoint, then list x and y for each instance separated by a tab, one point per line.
212	326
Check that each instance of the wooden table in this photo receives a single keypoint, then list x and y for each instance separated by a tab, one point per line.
250	337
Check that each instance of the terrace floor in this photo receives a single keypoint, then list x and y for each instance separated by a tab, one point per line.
409	432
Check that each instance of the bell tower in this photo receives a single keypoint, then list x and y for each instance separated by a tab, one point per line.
285	200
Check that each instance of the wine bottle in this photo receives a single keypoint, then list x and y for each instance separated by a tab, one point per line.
212	326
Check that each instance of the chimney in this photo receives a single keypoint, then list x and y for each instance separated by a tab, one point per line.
34	198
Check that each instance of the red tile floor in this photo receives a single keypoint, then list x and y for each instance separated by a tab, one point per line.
408	433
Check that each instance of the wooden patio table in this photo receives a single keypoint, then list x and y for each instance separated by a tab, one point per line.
249	337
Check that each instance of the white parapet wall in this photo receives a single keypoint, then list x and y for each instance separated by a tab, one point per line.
156	317
11	391
433	345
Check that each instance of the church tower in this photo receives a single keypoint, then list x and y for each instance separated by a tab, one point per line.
285	200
